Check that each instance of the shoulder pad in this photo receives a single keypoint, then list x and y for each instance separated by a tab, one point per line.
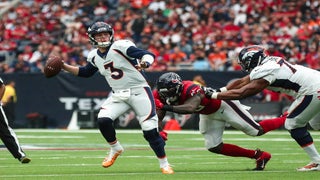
123	43
91	56
264	70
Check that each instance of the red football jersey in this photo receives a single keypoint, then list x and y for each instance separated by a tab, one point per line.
189	89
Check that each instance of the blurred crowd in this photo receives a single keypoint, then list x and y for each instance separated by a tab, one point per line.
203	35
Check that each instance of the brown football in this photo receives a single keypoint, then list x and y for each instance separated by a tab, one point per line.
53	66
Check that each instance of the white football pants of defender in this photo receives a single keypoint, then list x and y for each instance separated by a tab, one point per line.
234	113
138	99
308	113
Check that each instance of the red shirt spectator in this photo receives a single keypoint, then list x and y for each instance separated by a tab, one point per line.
19	32
8	45
313	58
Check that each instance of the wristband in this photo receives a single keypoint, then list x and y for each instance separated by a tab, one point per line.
167	108
147	58
214	95
223	89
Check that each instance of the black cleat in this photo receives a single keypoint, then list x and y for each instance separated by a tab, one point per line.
24	160
262	159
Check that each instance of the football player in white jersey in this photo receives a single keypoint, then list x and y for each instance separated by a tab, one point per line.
277	74
122	64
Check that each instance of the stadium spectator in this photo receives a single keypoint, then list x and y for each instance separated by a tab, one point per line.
162	59
217	58
235	23
7	45
177	56
312	57
185	46
27	53
200	62
20	65
136	26
100	11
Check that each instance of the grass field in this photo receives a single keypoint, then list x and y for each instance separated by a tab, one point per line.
62	154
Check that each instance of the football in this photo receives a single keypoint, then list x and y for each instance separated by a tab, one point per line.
53	66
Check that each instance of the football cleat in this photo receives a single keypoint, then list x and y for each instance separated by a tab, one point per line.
24	160
167	170
262	159
113	155
310	167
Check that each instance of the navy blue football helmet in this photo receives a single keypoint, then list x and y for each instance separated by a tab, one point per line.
251	56
169	86
99	27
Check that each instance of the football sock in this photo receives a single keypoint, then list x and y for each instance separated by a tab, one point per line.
116	145
236	151
312	152
163	162
272	124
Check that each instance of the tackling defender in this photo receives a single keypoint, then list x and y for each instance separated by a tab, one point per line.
122	64
277	74
185	97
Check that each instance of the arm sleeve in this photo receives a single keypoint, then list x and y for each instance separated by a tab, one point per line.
137	53
87	71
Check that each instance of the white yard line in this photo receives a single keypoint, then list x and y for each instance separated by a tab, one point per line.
277	132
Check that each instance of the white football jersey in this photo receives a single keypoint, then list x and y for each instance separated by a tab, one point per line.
117	67
294	80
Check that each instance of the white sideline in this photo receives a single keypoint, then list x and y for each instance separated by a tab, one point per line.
136	131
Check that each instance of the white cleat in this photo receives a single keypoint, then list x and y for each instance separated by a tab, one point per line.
310	167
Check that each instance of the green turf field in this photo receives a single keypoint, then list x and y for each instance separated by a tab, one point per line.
62	154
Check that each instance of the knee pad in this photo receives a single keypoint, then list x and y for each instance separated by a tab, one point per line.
102	122
301	136
106	128
151	136
216	149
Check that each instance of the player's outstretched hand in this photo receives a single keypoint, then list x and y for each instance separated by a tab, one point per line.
208	91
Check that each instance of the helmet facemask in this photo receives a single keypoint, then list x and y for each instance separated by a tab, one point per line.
170	95
169	87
